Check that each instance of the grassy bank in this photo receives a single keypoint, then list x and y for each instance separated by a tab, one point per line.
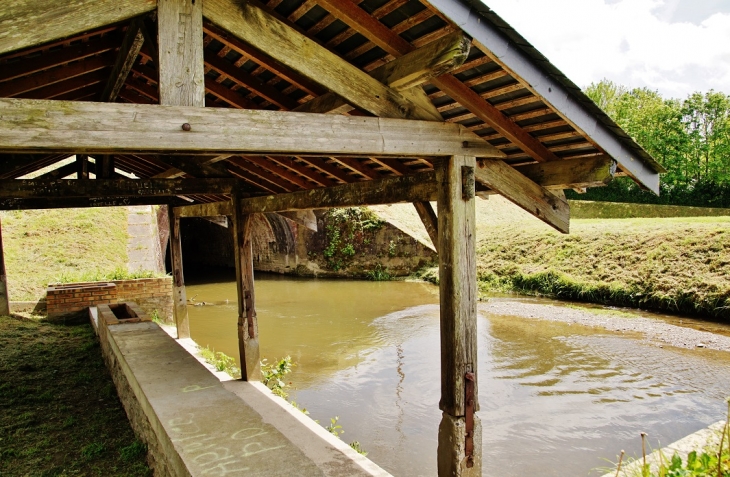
43	246
59	411
676	264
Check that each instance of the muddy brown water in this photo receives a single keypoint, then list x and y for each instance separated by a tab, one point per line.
556	399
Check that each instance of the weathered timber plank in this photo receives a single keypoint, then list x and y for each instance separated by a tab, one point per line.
4	300
406	72
82	202
25	23
180	43
458	318
60	126
179	299
34	188
211	209
571	173
430	221
416	187
267	33
82	166
248	341
132	43
520	190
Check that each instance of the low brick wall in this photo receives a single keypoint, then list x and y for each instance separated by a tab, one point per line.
149	293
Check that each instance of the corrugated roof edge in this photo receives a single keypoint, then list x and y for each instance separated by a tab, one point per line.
488	28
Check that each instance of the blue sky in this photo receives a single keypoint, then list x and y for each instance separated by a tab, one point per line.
673	46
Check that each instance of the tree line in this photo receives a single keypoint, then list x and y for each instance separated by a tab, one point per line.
690	138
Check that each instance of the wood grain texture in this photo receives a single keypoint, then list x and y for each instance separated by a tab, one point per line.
523	192
132	43
179	298
4	300
86	127
571	173
25	23
211	209
457	283
248	342
267	33
180	50
39	188
430	221
82	202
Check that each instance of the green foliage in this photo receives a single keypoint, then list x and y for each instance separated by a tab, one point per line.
378	274
690	138
118	273
347	233
92	450
334	428
358	448
272	375
133	451
221	361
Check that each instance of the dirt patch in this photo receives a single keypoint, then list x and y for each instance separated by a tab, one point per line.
59	411
655	331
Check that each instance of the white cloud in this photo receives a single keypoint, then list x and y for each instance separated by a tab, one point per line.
628	41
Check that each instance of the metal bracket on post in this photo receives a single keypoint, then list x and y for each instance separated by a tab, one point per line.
249	313
469	383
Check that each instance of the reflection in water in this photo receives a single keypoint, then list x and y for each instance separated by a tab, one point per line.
554	398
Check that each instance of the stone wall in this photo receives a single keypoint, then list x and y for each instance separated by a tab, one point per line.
151	294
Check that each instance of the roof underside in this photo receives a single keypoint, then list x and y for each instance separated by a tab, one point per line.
78	68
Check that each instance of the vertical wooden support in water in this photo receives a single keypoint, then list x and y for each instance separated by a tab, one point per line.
460	438
248	328
180	51
4	300
179	299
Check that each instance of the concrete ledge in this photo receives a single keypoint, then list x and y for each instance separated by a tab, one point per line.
194	424
698	441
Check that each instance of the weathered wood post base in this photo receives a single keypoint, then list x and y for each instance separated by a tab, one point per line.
4	301
459	444
179	299
451	447
248	328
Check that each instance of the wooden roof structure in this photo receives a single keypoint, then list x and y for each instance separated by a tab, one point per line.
234	107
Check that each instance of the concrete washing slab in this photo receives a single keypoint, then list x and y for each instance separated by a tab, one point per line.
208	427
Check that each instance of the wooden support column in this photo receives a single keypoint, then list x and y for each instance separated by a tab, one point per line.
82	166
248	328
179	299
459	440
106	171
4	301
430	221
180	43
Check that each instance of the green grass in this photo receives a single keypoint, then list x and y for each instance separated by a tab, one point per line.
677	264
59	410
49	246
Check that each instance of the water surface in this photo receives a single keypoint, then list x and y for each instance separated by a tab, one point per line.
555	398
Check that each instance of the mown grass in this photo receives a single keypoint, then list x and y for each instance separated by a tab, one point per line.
59	410
677	265
49	246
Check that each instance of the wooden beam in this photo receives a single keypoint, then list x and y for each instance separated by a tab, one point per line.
106	171
86	127
211	209
33	188
179	299
571	173
248	333
25	23
61	172
267	33
528	195
416	187
82	166
132	43
51	82
180	43
406	72
4	300
82	202
459	447
430	221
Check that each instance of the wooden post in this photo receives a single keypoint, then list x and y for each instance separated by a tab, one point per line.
248	328
82	166
106	171
459	440
179	299
4	301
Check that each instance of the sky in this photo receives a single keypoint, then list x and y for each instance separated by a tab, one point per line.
676	47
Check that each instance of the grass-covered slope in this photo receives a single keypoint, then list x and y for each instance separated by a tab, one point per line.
43	246
677	264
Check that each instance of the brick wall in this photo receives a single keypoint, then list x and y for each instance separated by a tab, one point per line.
149	293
